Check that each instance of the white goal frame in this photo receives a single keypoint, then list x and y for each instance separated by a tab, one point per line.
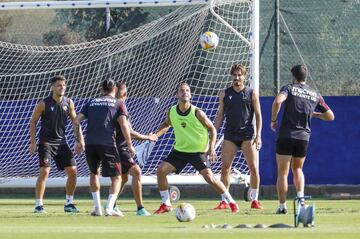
147	180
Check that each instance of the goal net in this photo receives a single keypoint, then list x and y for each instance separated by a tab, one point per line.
152	59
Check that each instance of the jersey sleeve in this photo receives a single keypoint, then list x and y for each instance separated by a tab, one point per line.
285	90
122	110
322	106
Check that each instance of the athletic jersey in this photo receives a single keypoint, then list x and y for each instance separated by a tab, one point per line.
191	136
120	139
102	114
239	113
300	104
53	121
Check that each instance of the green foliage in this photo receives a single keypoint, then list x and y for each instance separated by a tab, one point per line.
5	21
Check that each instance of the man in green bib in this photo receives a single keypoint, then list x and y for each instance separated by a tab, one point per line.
191	128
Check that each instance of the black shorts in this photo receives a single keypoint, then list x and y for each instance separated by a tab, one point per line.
60	153
238	143
180	159
293	147
108	156
126	160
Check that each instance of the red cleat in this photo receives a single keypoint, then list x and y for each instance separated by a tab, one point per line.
234	207
256	205
223	205
163	209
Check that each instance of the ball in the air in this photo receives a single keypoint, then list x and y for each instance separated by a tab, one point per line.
209	40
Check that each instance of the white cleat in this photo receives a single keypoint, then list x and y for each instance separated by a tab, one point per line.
96	212
115	212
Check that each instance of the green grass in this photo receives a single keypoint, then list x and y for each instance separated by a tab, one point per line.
334	219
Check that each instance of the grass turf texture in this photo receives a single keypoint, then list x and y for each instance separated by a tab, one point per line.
334	219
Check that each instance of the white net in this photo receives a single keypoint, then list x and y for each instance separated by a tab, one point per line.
152	59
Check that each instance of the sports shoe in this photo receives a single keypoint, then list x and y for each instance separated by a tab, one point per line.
163	209
256	205
234	207
39	209
143	212
113	212
282	211
71	208
223	205
96	212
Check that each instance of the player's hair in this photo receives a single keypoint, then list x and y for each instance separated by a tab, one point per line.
119	85
181	84
57	78
300	72
238	67
108	85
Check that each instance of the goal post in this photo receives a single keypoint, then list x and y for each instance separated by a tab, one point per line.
152	59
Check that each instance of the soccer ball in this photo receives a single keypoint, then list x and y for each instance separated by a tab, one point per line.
209	40
185	212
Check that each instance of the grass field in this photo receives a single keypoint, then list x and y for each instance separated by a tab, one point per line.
334	219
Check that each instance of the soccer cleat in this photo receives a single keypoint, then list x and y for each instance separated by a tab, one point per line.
281	211
113	212
143	212
256	205
39	209
96	212
71	208
234	207
223	205
163	209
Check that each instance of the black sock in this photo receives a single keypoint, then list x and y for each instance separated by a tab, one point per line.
140	207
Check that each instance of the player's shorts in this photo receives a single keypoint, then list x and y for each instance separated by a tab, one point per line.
108	156
293	147
239	140
126	160
60	153
180	159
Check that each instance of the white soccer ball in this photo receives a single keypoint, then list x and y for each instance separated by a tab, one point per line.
209	40
185	212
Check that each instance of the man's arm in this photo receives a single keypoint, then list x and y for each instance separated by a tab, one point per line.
327	116
279	99
220	113
164	126
39	109
79	137
258	117
136	135
125	129
209	125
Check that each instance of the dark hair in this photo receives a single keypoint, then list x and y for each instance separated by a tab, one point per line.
238	67
300	72
108	85
119	84
181	84
57	78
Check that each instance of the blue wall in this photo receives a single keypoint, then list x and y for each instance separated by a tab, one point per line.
334	149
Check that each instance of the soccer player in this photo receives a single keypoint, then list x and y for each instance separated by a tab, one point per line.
103	114
54	111
238	104
191	128
128	164
301	104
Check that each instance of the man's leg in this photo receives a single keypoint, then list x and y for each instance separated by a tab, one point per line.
40	189
95	192
252	161
299	178
228	153
220	188
163	170
283	166
70	187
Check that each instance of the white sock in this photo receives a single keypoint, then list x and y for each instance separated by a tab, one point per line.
301	195
223	199
69	199
111	200
165	197
96	199
228	197
282	206
253	194
39	202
